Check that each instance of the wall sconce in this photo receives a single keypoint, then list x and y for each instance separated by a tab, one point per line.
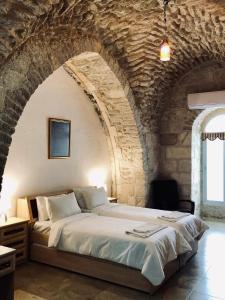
97	177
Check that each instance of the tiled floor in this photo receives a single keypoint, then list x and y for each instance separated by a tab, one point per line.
202	279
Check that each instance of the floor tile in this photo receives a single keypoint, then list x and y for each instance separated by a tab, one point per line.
214	287
199	296
22	295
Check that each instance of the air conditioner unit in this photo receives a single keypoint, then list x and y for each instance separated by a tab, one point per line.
206	100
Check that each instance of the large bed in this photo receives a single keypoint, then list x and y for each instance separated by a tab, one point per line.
55	244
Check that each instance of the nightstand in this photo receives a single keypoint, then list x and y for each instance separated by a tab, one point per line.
112	199
14	234
7	268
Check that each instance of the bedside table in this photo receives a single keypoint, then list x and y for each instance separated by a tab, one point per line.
14	234
7	268
112	199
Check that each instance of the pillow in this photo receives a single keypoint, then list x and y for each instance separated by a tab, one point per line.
94	198
42	209
79	194
62	207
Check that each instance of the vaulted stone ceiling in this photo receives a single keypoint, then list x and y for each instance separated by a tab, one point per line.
37	36
130	30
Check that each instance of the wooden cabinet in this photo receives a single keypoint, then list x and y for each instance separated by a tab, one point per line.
14	234
7	268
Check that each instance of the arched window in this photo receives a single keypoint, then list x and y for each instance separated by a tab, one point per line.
214	161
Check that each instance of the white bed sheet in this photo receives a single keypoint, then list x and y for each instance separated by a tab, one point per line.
191	227
105	237
42	226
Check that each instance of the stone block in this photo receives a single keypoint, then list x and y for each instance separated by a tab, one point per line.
169	166
178	152
168	139
182	178
185	138
184	166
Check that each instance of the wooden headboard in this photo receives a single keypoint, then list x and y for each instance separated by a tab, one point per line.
27	206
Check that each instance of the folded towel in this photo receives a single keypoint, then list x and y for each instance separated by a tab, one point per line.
146	230
140	235
174	216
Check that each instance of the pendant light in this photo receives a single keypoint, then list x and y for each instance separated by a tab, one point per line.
165	50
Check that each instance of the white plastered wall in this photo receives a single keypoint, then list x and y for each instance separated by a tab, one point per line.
28	170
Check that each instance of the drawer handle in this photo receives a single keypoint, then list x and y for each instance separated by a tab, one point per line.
13	231
14	244
5	265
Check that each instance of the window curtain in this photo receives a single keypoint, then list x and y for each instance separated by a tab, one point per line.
212	136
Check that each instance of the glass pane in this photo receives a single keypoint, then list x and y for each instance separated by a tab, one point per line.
216	124
215	170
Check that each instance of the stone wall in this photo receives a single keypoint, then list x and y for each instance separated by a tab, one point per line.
36	37
177	121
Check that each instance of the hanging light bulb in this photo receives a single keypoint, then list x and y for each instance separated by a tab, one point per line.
165	50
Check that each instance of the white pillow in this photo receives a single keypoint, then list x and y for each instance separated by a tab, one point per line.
42	209
62	207
79	194
94	198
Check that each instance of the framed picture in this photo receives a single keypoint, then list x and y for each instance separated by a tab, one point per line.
58	138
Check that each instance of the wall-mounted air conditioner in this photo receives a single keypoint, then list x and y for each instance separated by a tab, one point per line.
206	100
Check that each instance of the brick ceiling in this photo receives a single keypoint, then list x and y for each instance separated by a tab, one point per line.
37	36
131	31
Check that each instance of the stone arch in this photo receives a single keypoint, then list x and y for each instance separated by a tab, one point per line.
23	74
110	100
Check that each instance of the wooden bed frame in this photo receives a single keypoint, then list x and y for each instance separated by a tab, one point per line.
91	266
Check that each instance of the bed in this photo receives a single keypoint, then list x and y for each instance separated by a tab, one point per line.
101	268
93	199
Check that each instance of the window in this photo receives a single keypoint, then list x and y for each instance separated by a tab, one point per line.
214	163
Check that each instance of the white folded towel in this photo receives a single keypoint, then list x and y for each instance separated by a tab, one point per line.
174	216
146	230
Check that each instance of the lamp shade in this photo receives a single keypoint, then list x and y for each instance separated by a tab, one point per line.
165	51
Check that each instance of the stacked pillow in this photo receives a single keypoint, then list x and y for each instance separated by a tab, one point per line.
54	208
57	207
90	197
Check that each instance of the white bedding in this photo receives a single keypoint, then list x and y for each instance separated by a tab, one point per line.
42	226
190	226
105	237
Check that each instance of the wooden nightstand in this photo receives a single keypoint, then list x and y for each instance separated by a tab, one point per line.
112	199
14	234
7	268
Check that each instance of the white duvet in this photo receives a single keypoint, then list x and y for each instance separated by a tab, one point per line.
105	237
191	227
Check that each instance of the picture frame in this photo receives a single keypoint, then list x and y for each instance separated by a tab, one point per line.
59	131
